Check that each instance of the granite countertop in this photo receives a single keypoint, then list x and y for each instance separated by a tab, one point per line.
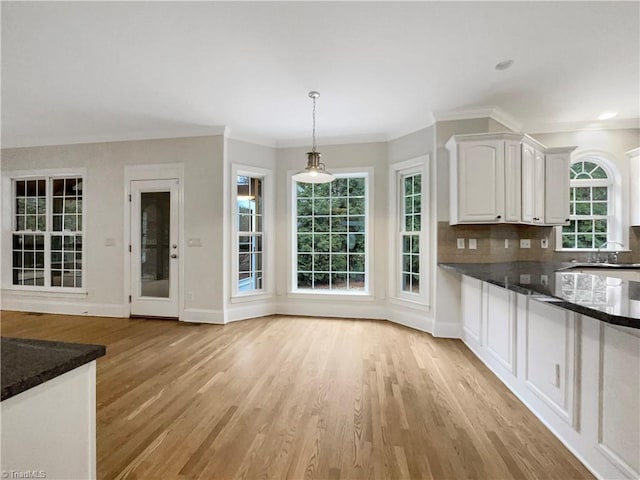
600	295
27	363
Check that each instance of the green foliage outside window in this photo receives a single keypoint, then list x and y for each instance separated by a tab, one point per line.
331	234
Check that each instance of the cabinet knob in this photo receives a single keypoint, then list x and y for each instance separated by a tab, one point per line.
536	218
567	219
499	217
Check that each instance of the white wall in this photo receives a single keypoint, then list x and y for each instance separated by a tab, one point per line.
202	158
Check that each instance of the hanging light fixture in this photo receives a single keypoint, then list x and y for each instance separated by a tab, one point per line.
315	171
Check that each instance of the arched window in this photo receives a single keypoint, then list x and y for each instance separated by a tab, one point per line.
591	205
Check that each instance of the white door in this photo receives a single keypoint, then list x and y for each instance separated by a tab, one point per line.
154	248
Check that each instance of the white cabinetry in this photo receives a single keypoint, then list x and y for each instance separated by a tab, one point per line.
579	375
533	184
478	173
556	202
634	181
485	178
550	361
507	178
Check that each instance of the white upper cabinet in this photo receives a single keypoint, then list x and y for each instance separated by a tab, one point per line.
533	184
507	178
634	157
556	210
479	176
485	178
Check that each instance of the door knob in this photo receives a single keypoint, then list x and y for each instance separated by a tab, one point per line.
174	255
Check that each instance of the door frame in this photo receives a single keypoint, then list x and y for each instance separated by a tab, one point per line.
162	171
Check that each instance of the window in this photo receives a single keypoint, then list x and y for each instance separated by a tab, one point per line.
47	232
410	228
249	203
408	201
590	206
331	235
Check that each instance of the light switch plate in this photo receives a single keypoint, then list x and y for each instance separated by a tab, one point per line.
506	243
460	242
525	243
473	244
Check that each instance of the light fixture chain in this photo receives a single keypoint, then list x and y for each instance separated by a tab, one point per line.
313	144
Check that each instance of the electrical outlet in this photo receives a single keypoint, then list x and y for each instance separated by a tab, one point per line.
460	243
544	280
473	244
506	243
544	243
525	243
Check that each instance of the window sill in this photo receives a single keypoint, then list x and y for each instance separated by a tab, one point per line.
331	295
45	292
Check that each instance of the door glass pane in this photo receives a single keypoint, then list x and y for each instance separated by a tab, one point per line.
155	217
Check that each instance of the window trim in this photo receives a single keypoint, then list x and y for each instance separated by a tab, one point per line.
397	171
8	229
367	293
267	233
616	223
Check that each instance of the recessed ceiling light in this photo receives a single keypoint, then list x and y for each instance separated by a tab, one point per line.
504	65
607	115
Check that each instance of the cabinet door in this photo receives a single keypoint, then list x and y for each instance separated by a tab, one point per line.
472	311
481	181
557	189
528	183
635	186
539	187
500	326
513	180
533	176
550	360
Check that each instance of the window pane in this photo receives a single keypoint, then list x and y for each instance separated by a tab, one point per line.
599	193
599	208
330	222
583	193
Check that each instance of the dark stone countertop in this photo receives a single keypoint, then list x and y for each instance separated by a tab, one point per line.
605	297
27	363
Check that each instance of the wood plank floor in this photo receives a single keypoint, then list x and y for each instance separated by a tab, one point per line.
286	397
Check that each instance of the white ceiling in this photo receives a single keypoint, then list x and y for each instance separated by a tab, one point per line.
74	71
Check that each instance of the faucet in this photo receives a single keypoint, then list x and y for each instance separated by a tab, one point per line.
614	254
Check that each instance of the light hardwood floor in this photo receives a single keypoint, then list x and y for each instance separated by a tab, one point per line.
286	397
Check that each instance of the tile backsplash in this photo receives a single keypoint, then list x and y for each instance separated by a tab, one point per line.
491	244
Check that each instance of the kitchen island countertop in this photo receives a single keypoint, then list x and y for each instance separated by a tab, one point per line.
27	363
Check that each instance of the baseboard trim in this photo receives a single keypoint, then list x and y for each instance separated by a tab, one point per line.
49	305
410	318
198	315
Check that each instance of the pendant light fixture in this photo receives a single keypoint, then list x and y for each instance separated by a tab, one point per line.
315	171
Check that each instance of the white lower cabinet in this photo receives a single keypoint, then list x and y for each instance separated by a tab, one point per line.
551	357
619	399
578	375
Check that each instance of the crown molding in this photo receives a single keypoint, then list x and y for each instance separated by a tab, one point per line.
493	112
336	140
250	138
178	132
612	124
